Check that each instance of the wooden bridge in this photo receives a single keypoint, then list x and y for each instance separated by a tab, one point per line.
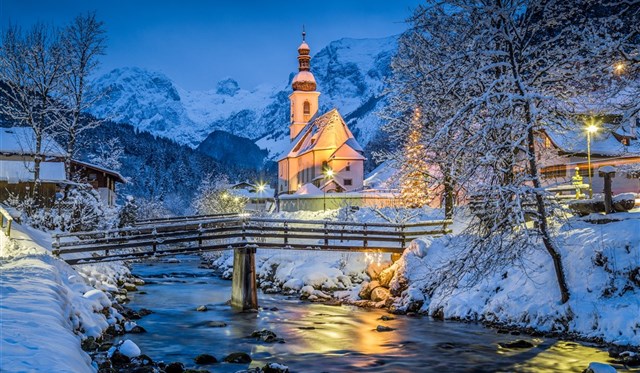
242	233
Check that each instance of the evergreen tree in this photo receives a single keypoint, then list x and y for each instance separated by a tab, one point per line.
414	189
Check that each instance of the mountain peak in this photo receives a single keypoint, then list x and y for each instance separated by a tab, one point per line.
228	87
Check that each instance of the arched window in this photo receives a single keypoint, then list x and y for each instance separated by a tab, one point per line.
306	108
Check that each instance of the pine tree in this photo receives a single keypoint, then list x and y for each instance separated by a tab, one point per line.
414	189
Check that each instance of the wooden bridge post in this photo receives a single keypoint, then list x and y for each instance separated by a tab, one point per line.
244	295
286	233
364	240
326	234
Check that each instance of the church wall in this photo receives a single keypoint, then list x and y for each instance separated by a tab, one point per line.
348	169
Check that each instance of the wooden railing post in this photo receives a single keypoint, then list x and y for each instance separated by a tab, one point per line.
56	245
200	235
244	229
402	233
326	234
286	233
155	241
364	240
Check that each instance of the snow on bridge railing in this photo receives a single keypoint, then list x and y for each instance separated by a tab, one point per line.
225	233
7	219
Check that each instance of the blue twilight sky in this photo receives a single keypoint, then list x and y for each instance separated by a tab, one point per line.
197	43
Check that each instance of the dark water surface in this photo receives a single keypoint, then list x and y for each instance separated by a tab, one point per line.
322	338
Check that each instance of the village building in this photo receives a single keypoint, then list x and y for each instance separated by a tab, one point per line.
323	151
17	166
610	143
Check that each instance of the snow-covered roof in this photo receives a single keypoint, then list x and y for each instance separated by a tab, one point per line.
22	171
304	46
308	190
328	131
22	141
603	143
266	193
95	167
385	176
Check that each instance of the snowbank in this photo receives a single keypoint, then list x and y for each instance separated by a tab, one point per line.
602	264
47	308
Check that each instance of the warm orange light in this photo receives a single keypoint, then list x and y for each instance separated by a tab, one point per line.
619	67
329	173
592	128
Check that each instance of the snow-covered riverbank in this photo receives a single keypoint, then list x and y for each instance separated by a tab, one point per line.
602	263
47	307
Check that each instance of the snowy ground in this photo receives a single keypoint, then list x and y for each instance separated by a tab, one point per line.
46	307
602	263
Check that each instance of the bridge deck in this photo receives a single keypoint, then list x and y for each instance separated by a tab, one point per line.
200	234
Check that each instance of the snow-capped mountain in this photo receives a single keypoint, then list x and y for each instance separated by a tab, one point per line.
350	75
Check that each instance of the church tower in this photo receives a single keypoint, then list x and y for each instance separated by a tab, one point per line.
304	99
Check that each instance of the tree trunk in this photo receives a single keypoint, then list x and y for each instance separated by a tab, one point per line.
542	215
448	195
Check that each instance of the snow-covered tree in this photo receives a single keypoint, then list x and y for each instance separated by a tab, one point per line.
108	154
31	71
490	75
213	197
83	41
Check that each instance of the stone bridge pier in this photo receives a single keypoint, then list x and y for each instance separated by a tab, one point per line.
244	295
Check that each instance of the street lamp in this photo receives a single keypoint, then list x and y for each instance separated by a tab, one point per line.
261	188
328	174
592	128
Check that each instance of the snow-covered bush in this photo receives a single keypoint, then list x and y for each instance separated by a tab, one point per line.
151	209
213	197
80	210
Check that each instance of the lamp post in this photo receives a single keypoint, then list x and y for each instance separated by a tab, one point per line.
328	174
592	128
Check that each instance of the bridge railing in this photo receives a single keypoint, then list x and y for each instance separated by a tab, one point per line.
226	233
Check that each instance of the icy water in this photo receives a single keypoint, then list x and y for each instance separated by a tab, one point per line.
322	338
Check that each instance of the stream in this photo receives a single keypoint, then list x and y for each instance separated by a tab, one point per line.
323	338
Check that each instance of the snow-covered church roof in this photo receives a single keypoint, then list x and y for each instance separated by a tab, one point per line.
327	131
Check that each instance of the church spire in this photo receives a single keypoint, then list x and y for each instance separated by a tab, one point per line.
304	80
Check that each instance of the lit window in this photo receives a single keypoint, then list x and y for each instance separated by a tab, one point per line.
547	142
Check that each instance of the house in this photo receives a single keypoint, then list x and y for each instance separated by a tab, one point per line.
17	153
323	151
101	179
611	143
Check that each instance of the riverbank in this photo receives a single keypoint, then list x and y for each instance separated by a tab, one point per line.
47	307
602	264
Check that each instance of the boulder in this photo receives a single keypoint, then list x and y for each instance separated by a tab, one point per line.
266	336
176	367
129	286
386	275
520	343
380	294
365	291
382	328
205	359
374	269
202	308
275	368
238	358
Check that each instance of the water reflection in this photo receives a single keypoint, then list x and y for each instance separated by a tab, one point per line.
321	337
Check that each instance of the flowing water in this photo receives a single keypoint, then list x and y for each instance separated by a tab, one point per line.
323	338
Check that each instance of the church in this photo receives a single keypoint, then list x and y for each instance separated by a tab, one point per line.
323	154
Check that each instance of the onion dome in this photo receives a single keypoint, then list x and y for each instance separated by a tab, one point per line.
304	80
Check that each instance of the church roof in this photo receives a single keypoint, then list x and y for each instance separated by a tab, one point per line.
328	131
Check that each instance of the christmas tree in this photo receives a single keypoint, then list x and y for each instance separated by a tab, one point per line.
414	188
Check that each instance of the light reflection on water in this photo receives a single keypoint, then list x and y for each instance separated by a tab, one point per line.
322	338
